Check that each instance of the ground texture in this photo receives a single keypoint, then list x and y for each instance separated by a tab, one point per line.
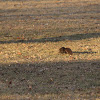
31	33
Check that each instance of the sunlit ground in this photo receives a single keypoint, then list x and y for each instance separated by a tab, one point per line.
31	33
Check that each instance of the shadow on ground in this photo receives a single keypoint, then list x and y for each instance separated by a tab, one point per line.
56	39
85	52
50	78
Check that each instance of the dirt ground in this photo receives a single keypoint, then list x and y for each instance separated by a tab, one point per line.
31	33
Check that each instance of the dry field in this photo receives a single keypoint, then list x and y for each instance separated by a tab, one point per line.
31	33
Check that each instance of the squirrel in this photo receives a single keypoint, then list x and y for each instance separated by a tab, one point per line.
65	50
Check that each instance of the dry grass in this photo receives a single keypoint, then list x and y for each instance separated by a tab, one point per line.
31	33
55	80
49	51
